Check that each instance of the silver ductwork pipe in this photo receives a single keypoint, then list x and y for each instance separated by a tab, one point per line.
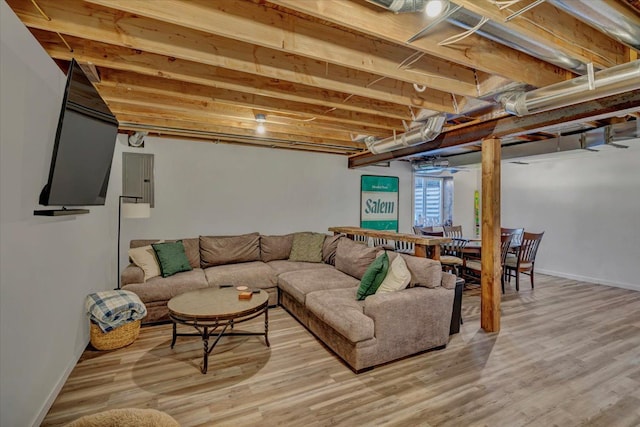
612	81
613	19
499	33
427	132
401	6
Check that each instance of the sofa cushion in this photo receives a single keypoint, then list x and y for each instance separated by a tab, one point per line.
307	247
145	258
425	272
397	278
283	266
299	283
329	248
275	247
220	250
373	277
191	248
171	257
163	289
252	274
340	310
354	258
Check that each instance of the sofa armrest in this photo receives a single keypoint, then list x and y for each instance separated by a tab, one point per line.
448	280
131	274
414	316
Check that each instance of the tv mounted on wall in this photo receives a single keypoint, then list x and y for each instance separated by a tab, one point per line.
83	149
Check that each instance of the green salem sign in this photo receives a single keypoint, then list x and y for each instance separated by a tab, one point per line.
379	202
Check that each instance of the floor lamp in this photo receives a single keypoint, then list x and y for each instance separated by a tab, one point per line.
130	210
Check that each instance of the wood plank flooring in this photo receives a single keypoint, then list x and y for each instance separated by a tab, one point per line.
568	354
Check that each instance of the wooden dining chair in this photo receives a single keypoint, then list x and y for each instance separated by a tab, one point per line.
451	255
404	247
421	230
453	231
472	267
526	259
361	239
383	243
515	241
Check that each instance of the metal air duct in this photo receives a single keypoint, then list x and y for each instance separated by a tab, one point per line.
427	132
612	81
613	19
499	33
401	6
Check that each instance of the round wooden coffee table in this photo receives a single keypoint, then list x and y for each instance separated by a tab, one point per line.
210	310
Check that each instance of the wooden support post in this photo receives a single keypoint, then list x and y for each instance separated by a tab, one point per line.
491	269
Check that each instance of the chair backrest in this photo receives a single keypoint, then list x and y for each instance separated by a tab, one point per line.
360	238
452	230
454	247
505	244
529	246
434	233
405	247
379	241
517	234
421	230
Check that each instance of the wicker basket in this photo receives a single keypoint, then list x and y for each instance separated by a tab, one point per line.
118	338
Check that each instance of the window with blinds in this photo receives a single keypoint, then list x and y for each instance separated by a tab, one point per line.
429	201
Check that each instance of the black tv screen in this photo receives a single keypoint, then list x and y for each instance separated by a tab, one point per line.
84	145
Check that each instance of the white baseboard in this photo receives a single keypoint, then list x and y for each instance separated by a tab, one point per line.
631	286
54	393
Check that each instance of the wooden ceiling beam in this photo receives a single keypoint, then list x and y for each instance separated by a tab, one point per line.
203	131
548	26
511	126
263	26
474	51
189	110
149	64
150	86
108	26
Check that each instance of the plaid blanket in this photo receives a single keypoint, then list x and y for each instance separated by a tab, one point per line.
110	309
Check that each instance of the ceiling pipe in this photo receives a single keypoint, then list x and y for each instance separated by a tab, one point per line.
499	33
612	81
613	19
425	133
401	6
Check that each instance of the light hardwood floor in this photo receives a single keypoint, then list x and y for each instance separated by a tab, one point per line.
568	354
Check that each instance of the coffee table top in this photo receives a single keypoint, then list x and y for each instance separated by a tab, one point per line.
215	304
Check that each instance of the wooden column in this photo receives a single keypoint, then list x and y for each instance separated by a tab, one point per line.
490	278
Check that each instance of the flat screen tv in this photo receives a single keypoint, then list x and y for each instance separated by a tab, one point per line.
84	145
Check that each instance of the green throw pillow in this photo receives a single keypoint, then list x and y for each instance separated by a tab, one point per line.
171	257
307	247
373	277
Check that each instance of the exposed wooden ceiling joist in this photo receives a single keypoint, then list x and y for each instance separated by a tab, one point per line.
266	27
323	72
474	52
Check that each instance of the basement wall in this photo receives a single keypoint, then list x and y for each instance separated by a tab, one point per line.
588	205
202	188
47	265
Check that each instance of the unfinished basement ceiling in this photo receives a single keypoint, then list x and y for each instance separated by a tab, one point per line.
328	75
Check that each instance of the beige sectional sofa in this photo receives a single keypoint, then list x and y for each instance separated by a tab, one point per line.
320	295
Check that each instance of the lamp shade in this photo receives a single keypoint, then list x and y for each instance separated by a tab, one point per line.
136	210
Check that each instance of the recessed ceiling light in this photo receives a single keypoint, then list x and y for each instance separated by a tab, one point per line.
434	8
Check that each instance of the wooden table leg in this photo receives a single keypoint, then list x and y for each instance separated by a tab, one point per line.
421	251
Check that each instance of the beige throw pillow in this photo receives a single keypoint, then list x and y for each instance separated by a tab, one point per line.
145	258
307	247
397	278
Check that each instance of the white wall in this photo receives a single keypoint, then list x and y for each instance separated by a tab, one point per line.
203	188
47	266
588	205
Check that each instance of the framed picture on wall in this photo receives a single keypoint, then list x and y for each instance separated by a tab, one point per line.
379	200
